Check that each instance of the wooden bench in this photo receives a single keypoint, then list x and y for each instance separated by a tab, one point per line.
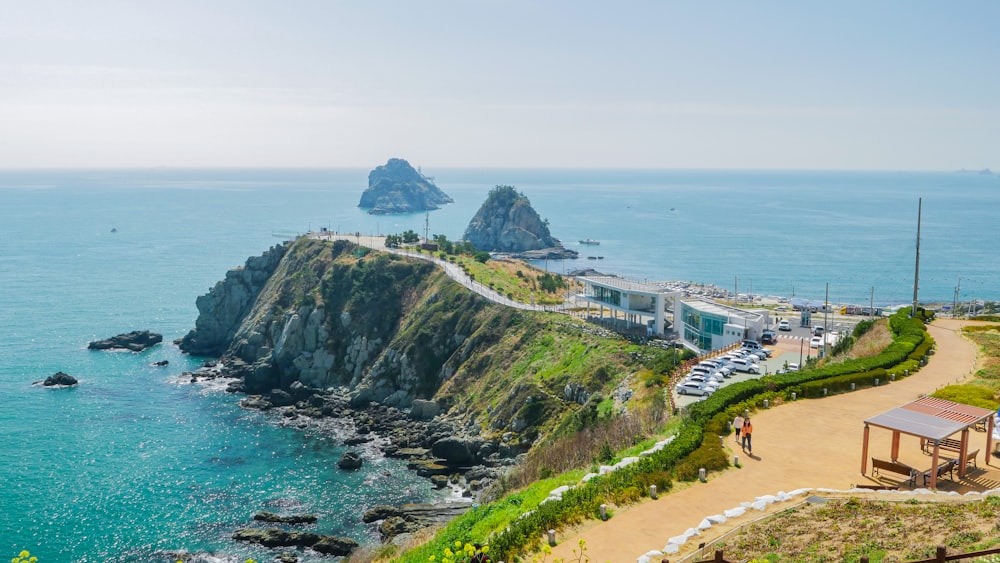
949	444
894	467
946	466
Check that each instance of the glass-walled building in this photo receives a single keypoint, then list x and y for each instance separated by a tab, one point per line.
628	304
710	326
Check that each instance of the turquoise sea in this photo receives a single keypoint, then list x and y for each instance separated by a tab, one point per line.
134	461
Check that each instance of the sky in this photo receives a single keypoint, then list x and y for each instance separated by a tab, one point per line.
847	85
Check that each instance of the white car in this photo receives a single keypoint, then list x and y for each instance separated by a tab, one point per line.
746	366
692	388
723	368
702	379
783	325
816	342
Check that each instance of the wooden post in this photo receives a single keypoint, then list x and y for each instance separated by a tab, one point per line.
864	451
719	559
989	439
963	450
895	445
935	459
942	552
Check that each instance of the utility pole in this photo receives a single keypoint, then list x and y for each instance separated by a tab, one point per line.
826	317
954	304
916	270
871	304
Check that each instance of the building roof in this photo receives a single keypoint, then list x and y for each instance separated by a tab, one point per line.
722	310
929	417
624	284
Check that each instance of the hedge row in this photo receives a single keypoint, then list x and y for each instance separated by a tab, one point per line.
584	500
910	343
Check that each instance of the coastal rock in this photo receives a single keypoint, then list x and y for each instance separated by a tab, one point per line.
424	410
161	363
59	379
274	537
350	461
291	519
506	222
380	512
454	451
136	341
396	187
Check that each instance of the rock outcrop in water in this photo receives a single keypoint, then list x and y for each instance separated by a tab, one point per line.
58	379
395	187
507	223
135	341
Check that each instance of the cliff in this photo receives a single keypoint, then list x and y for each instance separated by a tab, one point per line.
396	187
398	332
506	222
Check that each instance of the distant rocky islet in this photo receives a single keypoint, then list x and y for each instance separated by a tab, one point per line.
507	223
396	187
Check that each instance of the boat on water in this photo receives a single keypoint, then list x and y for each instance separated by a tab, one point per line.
589	241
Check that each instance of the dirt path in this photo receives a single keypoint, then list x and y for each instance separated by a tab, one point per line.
810	443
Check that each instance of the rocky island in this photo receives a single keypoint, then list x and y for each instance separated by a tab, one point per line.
135	341
395	187
507	223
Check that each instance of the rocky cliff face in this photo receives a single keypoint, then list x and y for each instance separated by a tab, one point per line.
380	329
506	222
223	308
396	187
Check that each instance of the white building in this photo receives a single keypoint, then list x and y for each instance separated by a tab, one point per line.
708	325
631	304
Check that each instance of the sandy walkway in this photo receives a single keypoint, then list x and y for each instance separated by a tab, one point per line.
811	443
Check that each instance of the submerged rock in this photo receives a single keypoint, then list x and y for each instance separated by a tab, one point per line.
291	519
350	461
136	341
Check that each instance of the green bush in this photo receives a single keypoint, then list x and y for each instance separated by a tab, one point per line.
709	456
975	395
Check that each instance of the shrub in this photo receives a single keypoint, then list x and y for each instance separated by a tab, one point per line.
709	456
974	395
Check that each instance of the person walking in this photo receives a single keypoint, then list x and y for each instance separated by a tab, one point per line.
747	431
738	426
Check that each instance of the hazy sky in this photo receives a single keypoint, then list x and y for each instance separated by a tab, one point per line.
901	85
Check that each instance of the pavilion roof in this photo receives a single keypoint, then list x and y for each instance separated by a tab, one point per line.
930	417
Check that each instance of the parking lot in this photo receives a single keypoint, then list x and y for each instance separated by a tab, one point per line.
786	351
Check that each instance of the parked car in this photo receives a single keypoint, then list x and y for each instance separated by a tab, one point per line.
692	388
761	353
818	330
722	367
702	379
815	341
784	325
768	337
745	365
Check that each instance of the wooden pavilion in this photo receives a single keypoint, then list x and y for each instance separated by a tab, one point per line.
933	421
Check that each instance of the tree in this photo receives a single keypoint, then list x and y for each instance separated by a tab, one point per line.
482	256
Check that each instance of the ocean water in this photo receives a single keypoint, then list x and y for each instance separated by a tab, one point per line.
134	460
